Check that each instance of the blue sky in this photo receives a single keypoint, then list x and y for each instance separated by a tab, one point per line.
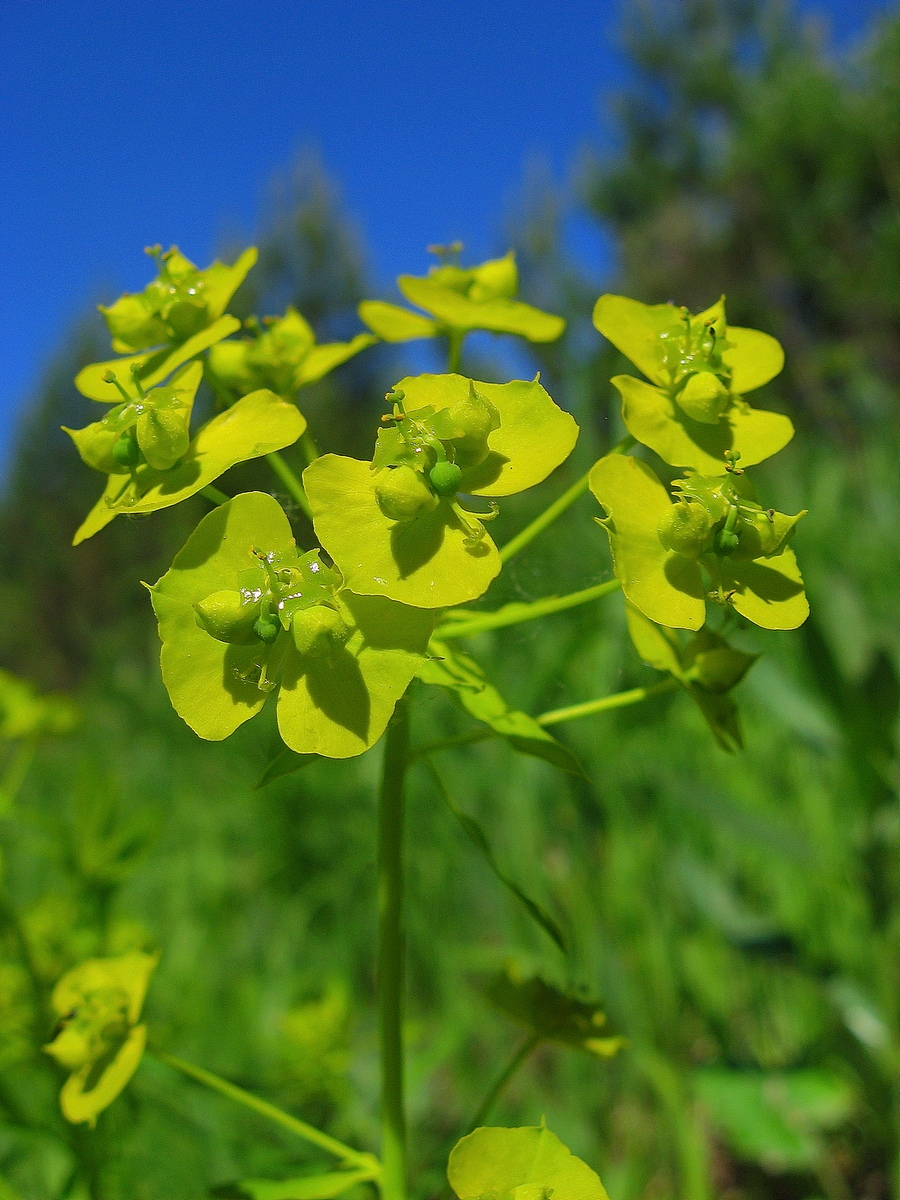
167	121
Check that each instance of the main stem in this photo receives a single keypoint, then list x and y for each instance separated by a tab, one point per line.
390	954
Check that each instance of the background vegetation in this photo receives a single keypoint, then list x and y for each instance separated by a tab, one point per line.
738	916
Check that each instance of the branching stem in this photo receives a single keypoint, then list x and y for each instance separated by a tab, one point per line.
290	481
391	953
516	613
309	1133
512	1068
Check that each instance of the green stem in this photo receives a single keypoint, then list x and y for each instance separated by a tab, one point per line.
214	495
516	613
15	773
309	1133
308	447
617	700
511	1069
290	480
390	953
454	350
547	517
554	717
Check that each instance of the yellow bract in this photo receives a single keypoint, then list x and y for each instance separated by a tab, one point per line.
98	1038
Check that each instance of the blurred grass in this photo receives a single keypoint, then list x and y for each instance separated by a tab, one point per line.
737	912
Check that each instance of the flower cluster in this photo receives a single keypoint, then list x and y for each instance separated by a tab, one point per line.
244	614
396	526
458	300
98	1038
282	356
706	537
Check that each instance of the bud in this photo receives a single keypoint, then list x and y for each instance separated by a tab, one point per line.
318	631
445	478
228	617
403	494
686	529
703	398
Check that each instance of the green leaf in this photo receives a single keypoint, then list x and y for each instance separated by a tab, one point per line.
706	667
479	839
429	562
658	422
256	425
284	762
776	1119
464	679
535	435
498	315
767	591
520	1164
395	324
155	365
551	1014
309	1187
665	587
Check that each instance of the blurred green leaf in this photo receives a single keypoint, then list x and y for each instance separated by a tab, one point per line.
774	1119
464	679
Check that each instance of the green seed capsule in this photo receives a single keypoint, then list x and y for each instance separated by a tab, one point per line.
266	628
686	529
228	617
445	478
703	398
319	631
126	450
403	494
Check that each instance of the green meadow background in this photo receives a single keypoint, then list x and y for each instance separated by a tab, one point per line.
738	916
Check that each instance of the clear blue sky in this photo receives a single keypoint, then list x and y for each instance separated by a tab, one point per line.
166	121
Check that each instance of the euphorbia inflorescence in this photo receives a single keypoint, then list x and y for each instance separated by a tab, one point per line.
395	526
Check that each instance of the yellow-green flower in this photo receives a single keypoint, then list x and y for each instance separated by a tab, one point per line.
458	300
98	1037
243	614
283	356
256	425
693	412
396	526
179	303
713	541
